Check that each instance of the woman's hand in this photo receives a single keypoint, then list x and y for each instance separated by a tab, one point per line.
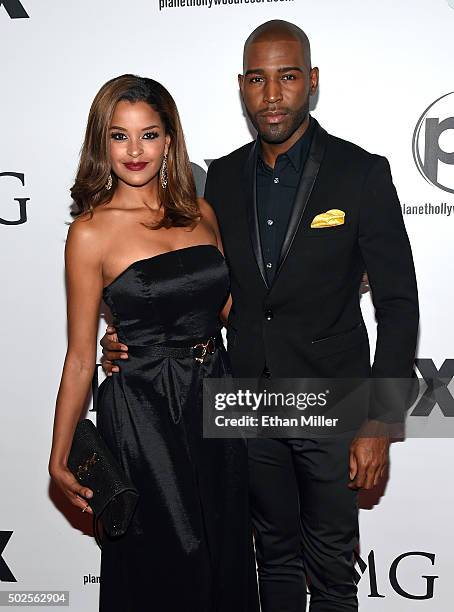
112	350
73	490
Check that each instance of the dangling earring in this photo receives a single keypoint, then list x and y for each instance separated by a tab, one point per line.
163	172
108	185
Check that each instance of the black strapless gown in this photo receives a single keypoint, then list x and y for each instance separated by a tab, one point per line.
189	546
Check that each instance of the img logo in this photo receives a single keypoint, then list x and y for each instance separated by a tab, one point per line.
433	143
20	216
416	561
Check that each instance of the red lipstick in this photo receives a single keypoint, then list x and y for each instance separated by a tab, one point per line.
136	166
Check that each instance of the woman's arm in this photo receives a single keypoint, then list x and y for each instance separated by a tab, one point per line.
84	284
209	217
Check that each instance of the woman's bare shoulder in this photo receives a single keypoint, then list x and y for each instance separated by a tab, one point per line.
206	210
90	232
95	223
209	218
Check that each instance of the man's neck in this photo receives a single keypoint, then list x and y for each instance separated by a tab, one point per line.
270	151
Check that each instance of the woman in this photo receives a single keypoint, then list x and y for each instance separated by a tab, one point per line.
152	251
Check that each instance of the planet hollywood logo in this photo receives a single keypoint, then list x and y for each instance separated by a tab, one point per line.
433	143
14	8
91	579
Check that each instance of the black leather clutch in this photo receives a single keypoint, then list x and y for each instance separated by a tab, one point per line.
94	466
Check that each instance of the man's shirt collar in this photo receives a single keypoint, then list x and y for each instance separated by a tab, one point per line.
297	153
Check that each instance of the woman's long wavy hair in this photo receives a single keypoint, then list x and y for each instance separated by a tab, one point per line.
179	199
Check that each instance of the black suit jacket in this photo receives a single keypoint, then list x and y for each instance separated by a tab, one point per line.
308	323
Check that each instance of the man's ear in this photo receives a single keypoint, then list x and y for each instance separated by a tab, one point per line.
240	81
314	79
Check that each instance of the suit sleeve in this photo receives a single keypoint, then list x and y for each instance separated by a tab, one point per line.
388	260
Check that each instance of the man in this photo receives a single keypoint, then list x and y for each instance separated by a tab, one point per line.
296	312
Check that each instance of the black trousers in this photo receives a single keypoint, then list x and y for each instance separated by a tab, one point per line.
305	522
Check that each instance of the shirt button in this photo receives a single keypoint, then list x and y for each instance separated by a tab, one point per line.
269	265
276	180
269	314
270	221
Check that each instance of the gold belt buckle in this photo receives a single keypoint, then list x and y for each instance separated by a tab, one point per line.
207	347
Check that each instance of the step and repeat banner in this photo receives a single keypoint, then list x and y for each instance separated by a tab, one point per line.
386	83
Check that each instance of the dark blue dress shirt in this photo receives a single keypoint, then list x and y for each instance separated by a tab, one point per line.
276	190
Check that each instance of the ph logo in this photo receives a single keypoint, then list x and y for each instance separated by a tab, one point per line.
433	143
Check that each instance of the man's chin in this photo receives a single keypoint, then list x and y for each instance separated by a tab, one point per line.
279	133
277	136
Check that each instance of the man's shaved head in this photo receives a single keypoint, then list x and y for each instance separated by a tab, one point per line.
279	30
277	82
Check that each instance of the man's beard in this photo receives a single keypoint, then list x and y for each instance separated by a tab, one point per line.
281	132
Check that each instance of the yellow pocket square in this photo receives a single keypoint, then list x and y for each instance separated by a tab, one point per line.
330	218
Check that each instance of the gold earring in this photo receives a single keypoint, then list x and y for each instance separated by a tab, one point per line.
109	183
163	172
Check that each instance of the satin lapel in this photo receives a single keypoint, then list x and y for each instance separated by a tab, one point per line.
304	191
250	178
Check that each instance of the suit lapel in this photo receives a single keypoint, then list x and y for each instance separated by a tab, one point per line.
250	179
304	190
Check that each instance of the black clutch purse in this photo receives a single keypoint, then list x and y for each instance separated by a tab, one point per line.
94	466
